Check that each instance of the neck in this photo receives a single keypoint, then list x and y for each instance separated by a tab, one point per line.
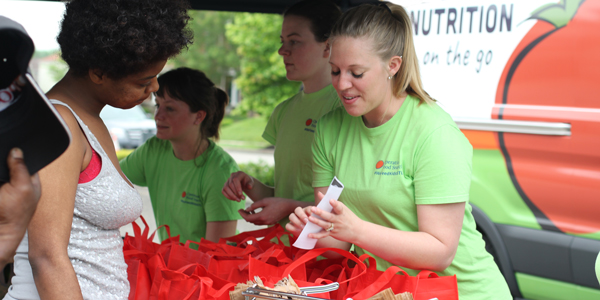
384	112
188	150
318	81
77	92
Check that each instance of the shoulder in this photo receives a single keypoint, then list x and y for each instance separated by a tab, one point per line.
429	117
283	106
151	148
157	144
220	158
77	136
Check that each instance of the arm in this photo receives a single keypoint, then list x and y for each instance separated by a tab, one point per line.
18	200
432	247
240	183
273	210
133	165
220	229
50	227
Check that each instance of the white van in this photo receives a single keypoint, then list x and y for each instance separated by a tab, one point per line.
522	80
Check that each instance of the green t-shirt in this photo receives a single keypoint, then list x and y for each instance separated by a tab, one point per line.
291	130
418	157
184	194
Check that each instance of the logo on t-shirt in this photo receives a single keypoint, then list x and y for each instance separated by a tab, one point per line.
388	168
311	125
189	198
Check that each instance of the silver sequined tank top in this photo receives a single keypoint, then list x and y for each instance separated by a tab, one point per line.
95	248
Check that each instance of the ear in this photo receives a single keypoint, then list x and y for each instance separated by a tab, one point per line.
200	116
394	65
96	76
327	50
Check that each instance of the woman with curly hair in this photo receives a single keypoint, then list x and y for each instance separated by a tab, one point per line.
115	50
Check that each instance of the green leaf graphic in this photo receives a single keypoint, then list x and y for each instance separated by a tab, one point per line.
558	14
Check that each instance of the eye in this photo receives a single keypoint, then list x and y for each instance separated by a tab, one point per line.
145	84
357	75
335	73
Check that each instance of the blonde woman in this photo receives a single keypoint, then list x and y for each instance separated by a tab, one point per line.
405	165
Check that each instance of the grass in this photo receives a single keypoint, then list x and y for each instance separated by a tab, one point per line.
236	132
123	153
243	133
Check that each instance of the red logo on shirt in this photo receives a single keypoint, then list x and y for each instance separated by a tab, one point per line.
183	194
379	164
308	122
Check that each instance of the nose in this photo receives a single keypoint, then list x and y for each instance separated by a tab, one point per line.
342	81
283	51
158	115
153	87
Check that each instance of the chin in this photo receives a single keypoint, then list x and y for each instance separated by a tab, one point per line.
353	111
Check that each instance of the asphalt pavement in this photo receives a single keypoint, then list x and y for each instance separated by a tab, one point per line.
241	156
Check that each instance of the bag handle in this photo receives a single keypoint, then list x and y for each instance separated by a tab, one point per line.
379	283
248	250
316	253
266	233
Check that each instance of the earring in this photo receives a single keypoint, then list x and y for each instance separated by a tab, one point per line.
389	77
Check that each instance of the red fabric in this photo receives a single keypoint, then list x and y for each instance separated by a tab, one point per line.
173	270
92	170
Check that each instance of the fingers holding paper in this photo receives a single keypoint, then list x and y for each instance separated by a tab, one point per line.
341	223
298	219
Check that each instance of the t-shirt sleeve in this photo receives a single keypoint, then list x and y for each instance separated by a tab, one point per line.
443	167
133	165
217	207
322	165
270	133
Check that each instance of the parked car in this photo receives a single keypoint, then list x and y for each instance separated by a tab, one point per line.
129	128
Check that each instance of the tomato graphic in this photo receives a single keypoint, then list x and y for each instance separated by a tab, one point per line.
183	195
553	76
308	122
379	164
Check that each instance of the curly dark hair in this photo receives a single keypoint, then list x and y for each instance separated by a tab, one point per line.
122	37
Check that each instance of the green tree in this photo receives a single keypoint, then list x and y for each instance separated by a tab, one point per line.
262	78
211	52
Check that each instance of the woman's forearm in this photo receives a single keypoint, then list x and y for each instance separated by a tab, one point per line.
54	277
414	250
259	191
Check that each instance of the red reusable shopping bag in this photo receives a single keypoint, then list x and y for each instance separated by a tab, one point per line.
426	285
139	279
191	282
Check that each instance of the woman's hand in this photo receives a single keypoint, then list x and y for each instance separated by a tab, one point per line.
341	223
298	219
236	185
272	210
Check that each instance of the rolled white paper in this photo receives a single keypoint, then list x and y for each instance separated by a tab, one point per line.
333	192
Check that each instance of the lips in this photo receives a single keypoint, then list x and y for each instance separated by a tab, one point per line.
348	99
